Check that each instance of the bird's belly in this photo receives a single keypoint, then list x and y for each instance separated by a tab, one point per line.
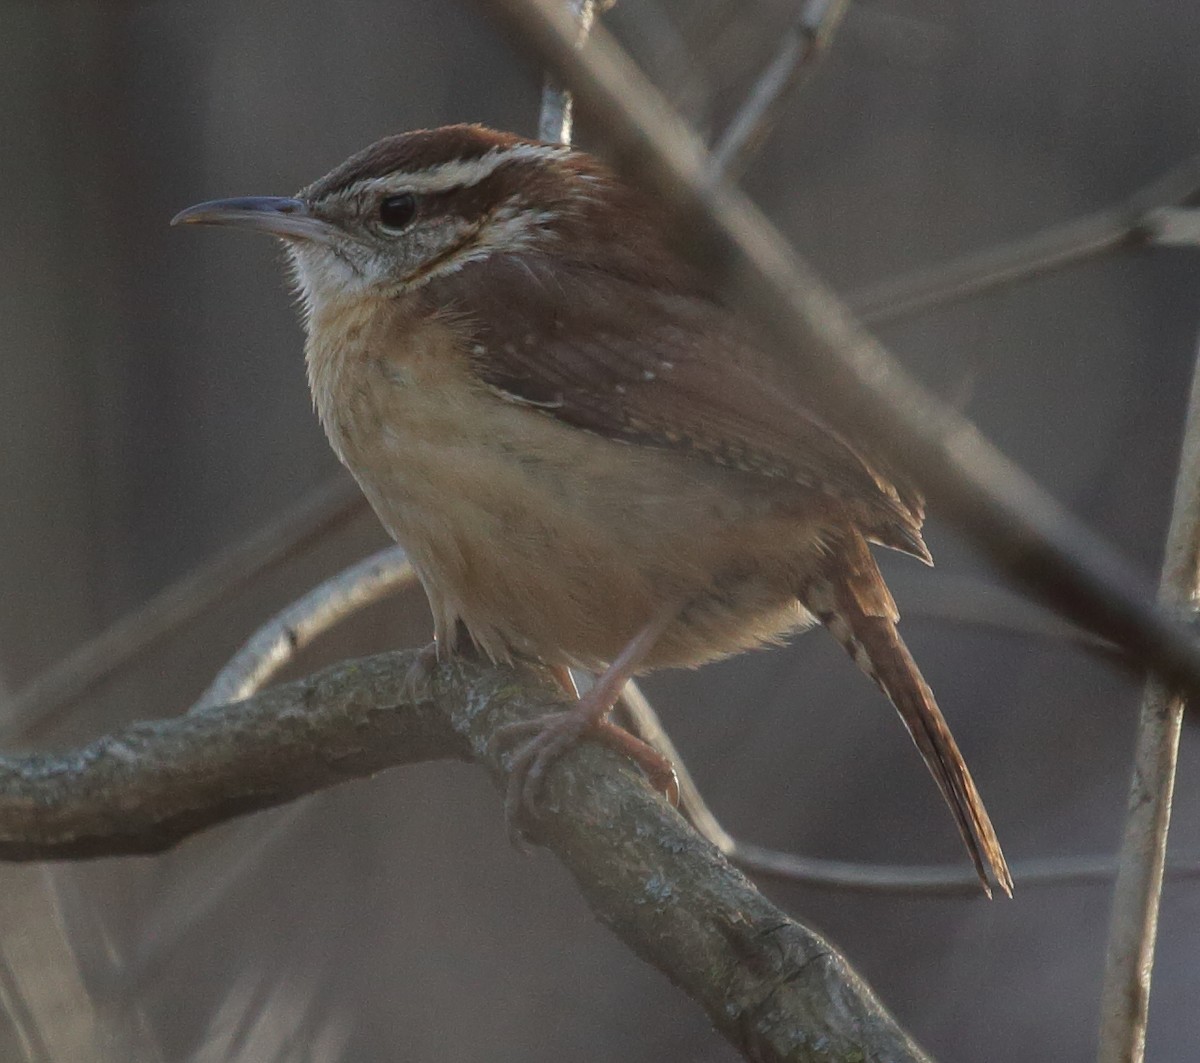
553	542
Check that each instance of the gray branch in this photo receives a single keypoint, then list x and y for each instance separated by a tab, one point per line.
1134	924
1019	526
773	987
804	42
1152	215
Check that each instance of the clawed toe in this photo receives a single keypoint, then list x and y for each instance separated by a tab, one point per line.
548	737
551	736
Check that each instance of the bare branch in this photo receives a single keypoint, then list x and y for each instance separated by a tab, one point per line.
929	880
276	642
1018	525
151	785
805	42
1144	219
555	123
42	702
387	572
844	875
770	985
1134	924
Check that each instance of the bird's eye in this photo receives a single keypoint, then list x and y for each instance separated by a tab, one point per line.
397	212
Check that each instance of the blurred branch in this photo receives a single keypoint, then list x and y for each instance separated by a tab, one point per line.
1146	218
42	702
855	877
774	988
1024	531
973	602
1134	925
805	42
930	880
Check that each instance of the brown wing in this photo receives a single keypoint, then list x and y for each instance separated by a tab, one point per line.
662	367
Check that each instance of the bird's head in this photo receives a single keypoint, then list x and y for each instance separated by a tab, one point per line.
417	206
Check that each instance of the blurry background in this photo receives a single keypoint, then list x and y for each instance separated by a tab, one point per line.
154	411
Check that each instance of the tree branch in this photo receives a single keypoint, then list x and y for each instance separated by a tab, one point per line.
149	786
1134	924
1024	531
1142	220
275	644
844	875
804	43
770	985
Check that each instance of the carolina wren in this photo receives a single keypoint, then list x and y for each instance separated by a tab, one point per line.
583	452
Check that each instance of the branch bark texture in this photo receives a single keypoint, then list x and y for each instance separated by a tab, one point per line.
776	989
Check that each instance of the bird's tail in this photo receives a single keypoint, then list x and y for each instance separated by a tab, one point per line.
850	598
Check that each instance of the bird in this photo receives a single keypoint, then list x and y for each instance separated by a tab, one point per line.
589	457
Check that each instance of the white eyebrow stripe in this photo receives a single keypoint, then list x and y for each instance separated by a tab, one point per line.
457	174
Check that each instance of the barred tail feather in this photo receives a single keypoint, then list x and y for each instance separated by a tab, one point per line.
854	604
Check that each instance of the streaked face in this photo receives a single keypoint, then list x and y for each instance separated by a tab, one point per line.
417	222
411	208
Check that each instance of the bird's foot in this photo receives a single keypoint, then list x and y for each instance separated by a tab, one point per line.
420	674
552	735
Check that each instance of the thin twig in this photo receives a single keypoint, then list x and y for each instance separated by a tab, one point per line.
1140	221
277	641
1134	925
853	379
44	700
805	42
931	880
644	721
775	989
555	123
845	875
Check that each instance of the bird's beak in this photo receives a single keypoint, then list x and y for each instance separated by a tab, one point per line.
289	219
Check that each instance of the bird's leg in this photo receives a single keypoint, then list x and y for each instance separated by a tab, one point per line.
659	770
556	732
